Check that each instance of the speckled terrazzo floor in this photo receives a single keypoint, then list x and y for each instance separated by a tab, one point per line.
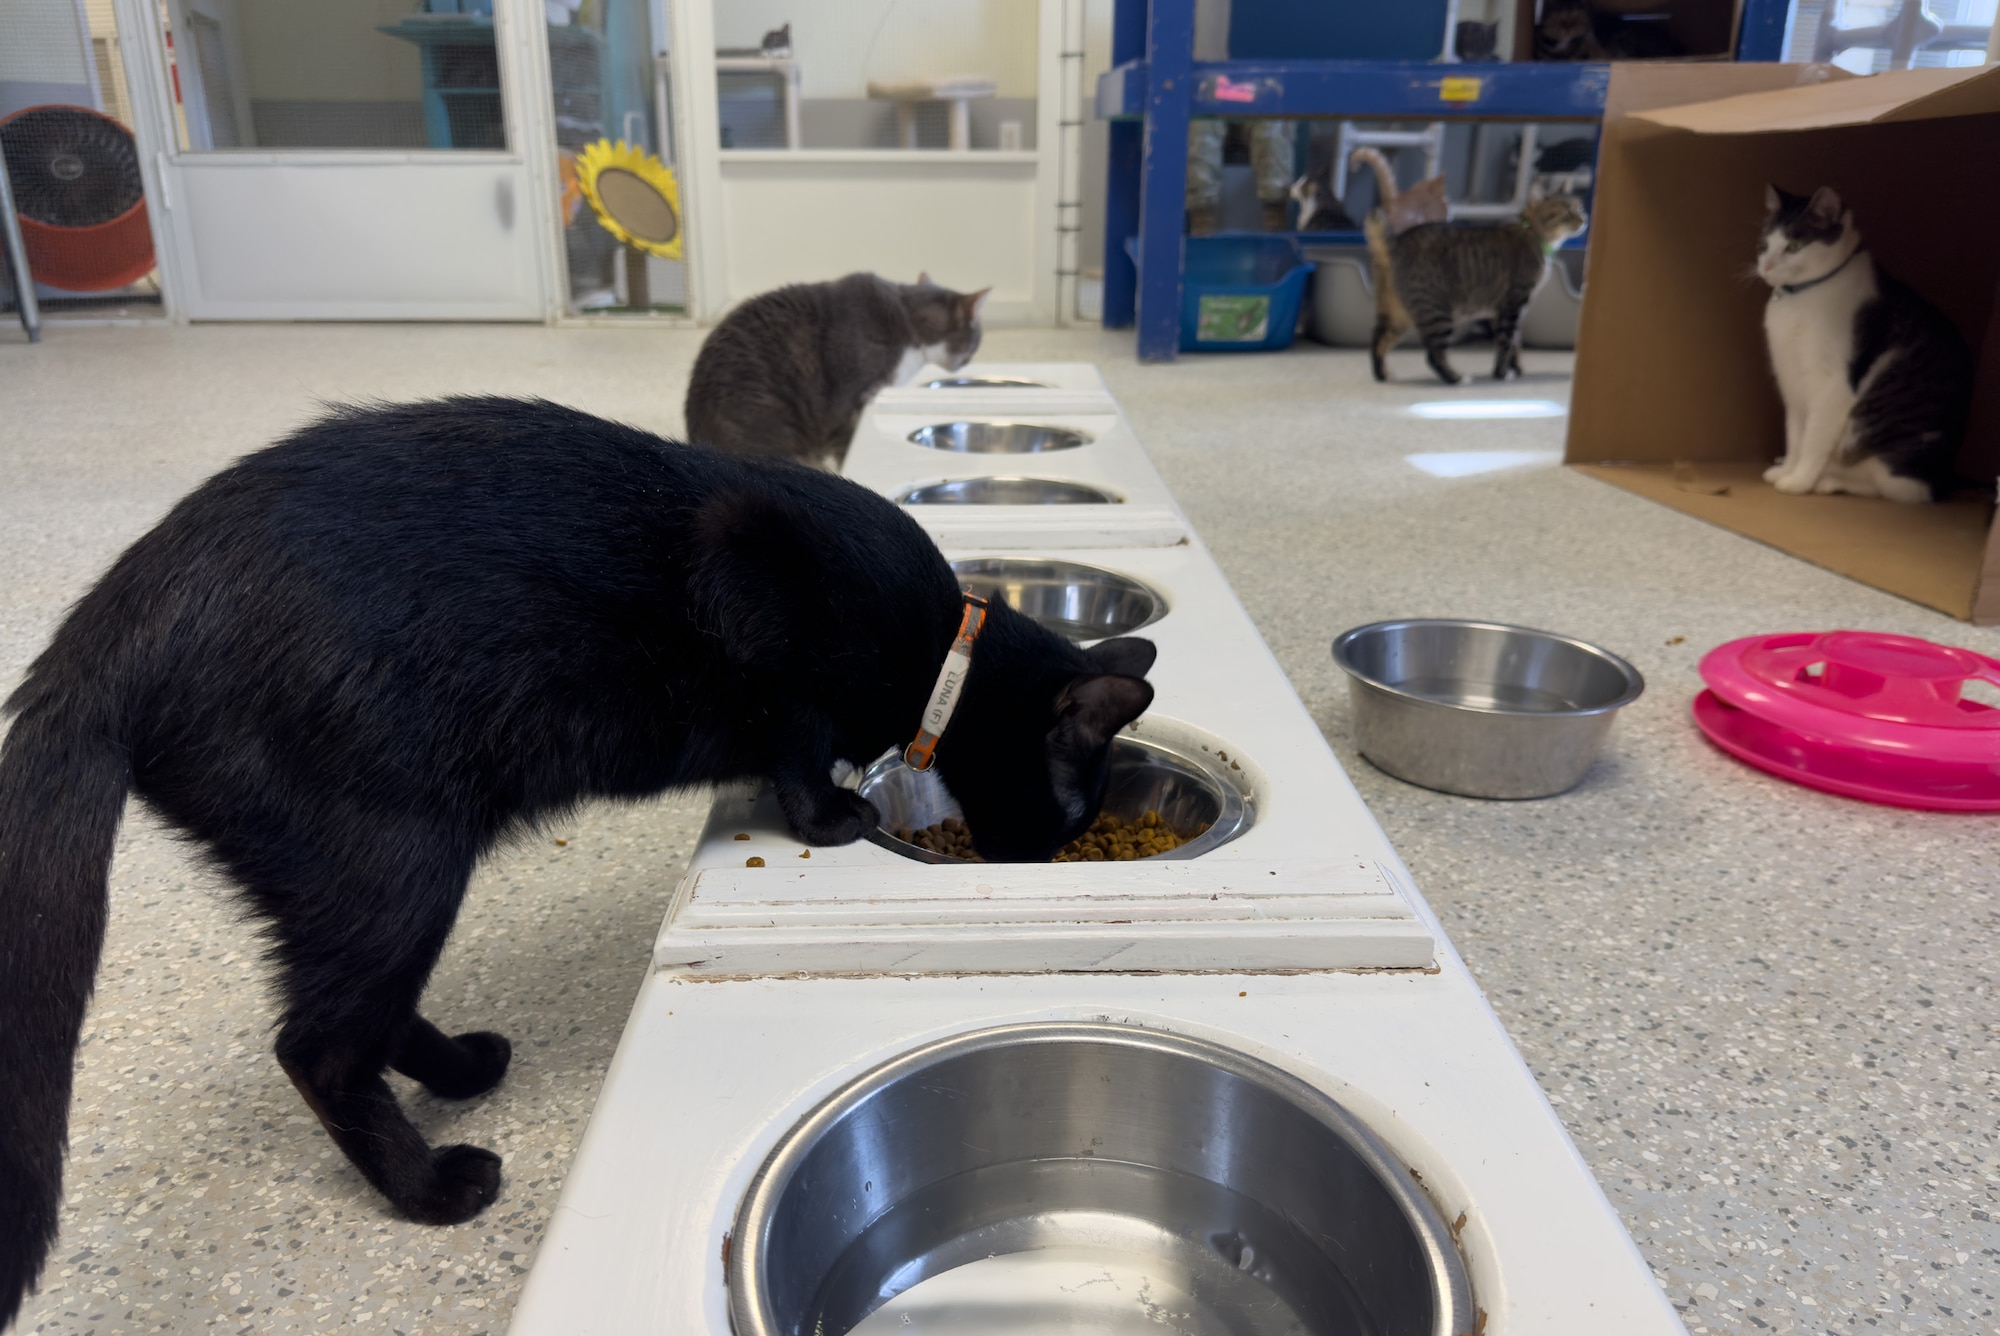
1768	1016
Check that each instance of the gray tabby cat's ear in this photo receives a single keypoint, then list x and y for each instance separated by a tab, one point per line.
924	279
1771	200
1825	205
975	302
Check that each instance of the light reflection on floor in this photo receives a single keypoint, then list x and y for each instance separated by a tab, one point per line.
1470	463
1459	410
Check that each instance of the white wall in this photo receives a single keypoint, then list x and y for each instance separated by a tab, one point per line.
842	44
41	41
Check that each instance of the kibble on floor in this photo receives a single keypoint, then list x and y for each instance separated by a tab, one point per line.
1767	1016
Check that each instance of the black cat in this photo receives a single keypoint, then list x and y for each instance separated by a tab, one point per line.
351	664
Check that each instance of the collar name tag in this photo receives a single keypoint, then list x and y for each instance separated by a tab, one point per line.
922	750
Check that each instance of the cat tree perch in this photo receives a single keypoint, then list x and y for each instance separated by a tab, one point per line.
956	91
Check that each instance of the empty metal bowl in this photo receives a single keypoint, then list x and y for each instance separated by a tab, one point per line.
1070	598
1007	492
997	438
986	383
1482	709
996	1181
1187	786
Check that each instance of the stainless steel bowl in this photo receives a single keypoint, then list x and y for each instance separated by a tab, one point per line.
1070	598
996	1181
1186	785
986	383
1482	709
997	438
1007	492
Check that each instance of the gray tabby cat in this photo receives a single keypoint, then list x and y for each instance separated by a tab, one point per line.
1438	275
788	372
1876	382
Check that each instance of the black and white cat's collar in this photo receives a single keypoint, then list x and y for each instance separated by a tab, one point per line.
950	683
1793	289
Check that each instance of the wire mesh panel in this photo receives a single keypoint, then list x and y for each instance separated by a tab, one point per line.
71	159
881	74
335	74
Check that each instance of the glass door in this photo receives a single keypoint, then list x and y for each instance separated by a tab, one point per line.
620	203
345	159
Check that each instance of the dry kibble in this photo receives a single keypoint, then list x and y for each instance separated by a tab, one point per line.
1113	839
753	862
1109	839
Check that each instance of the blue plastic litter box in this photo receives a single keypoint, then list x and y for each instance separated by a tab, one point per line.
1239	294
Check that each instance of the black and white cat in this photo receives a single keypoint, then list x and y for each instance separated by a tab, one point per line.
1875	381
788	372
350	665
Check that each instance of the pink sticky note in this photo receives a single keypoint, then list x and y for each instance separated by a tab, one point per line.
1228	90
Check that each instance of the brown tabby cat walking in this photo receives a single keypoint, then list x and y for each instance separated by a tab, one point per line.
788	372
1435	276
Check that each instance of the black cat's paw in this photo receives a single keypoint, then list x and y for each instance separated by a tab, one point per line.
482	1060
464	1182
832	816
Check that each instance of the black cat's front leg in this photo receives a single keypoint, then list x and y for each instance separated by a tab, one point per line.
452	1067
820	811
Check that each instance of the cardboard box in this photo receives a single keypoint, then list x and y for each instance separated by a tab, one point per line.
1674	397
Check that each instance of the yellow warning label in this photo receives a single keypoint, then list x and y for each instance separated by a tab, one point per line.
1459	89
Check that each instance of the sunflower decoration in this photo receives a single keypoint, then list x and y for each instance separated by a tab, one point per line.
634	196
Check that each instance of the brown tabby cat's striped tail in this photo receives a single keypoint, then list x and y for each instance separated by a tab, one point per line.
1385	176
1391	320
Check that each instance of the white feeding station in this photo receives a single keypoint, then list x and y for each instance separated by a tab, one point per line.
1244	1087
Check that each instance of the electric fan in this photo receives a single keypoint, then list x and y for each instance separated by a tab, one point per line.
81	200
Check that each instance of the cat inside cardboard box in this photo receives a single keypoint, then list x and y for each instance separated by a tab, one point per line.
1675	395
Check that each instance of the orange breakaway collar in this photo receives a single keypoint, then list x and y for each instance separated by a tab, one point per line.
950	683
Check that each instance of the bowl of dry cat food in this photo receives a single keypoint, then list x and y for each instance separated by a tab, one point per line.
986	383
1168	797
997	438
1071	598
999	491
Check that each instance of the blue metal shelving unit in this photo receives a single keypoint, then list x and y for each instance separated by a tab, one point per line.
1155	87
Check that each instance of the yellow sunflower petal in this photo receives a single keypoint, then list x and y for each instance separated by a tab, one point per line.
634	196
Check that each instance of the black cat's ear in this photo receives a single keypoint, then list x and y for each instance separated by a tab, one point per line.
1825	205
1128	656
1772	201
1091	710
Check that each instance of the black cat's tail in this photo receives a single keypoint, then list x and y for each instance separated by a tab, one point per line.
63	781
